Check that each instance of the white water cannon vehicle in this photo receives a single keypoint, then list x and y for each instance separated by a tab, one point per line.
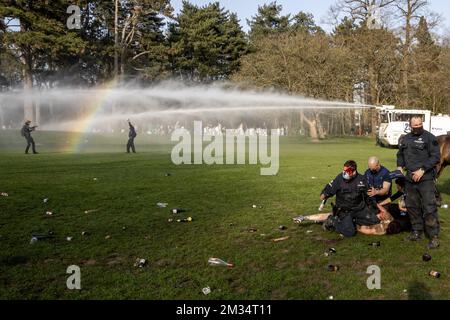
394	124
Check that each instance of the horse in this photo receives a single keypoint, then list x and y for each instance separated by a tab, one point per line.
444	146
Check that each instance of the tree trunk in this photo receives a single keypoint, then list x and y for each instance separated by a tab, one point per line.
312	124
28	86
116	39
38	112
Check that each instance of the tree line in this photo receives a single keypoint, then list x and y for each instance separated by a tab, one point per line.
400	62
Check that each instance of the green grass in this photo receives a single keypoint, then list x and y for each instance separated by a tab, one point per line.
219	199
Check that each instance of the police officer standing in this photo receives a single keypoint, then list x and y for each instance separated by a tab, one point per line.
131	135
419	154
26	133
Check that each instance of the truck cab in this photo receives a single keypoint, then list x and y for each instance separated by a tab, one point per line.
394	124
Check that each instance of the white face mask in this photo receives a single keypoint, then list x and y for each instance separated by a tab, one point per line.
346	176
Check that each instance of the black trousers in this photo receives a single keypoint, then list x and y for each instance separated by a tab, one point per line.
420	199
130	145
30	142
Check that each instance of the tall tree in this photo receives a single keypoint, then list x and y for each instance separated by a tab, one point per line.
206	43
35	32
268	20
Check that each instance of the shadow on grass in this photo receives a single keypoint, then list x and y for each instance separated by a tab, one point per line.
444	187
418	291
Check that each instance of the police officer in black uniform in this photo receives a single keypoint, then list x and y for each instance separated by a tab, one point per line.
353	206
26	133
419	154
131	135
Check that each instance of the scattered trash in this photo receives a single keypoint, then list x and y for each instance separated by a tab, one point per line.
140	263
4	194
50	233
309	231
282	227
313	178
219	262
333	268
90	211
36	237
330	252
170	220
107	237
405	291
95	179
177	210
206	291
162	204
69	238
280	239
426	257
84	233
188	219
330	298
45	200
252	230
168	174
49	213
256	206
444	206
375	244
435	274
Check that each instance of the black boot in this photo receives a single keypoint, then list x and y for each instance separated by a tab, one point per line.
434	243
415	236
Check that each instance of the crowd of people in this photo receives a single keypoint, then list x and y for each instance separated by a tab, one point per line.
365	203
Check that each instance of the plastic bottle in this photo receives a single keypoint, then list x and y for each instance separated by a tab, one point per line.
219	262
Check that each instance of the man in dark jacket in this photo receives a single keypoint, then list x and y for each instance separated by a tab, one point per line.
419	154
26	133
353	206
131	135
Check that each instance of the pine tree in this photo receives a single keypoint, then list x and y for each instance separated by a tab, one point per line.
206	43
268	21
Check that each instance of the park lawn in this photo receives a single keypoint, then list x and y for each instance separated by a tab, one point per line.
219	198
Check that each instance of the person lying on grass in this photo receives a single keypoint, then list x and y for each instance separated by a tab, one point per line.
393	217
353	206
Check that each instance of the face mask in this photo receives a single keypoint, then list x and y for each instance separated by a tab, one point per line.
347	174
417	131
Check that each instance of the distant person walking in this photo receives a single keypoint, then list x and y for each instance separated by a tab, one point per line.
26	133
131	135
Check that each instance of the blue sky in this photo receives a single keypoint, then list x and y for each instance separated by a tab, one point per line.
319	8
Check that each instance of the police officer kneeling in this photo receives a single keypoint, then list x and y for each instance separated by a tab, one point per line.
353	206
419	154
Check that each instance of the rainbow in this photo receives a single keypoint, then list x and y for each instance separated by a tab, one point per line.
79	129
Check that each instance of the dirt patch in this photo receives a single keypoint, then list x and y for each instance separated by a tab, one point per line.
88	262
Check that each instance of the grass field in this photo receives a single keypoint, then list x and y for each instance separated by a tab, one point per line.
219	199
